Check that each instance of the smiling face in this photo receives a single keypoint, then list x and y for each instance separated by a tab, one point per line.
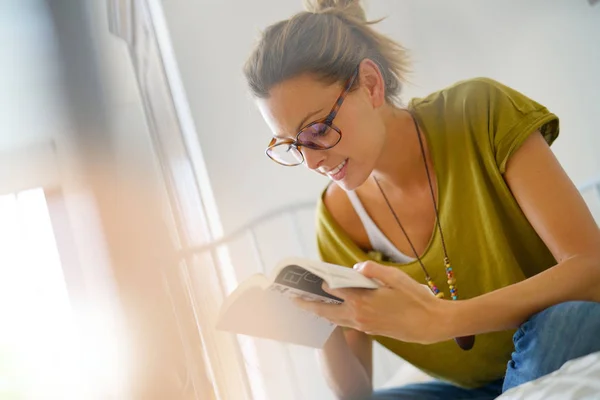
301	100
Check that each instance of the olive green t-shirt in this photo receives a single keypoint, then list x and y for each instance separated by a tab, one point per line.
472	128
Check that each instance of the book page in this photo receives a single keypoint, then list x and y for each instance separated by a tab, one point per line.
264	307
295	281
271	314
336	276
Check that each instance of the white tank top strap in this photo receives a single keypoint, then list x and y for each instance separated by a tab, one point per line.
379	241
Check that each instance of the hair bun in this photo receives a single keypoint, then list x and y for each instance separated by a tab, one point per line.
350	9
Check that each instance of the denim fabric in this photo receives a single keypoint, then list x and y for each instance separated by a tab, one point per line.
439	391
542	345
551	338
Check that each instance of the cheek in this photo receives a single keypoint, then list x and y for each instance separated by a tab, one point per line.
362	139
362	131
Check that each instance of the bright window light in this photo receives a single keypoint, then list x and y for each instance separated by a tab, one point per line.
39	345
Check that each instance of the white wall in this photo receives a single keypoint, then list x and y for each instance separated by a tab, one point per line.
30	83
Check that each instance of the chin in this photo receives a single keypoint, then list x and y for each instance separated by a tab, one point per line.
350	183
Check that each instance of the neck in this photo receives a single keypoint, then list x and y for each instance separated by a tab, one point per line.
400	163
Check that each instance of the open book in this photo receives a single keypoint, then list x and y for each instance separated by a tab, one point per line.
262	306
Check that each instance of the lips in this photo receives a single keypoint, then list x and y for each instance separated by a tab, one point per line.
338	172
337	169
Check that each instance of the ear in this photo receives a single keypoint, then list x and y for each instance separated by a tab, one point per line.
371	80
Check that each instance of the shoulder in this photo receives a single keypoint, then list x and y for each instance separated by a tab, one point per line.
338	205
337	208
506	114
486	107
477	85
464	93
473	96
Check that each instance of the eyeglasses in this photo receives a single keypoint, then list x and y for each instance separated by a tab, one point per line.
318	135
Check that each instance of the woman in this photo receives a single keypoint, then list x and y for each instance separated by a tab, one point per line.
458	191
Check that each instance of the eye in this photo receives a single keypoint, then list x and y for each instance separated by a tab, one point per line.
319	130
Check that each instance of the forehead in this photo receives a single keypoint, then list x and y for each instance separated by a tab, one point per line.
291	101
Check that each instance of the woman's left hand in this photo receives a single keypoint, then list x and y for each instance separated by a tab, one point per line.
401	308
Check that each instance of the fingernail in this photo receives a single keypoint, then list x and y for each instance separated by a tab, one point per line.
359	266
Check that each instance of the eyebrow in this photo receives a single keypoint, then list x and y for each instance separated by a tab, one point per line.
302	123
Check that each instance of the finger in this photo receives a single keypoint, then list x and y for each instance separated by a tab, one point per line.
388	276
348	293
301	303
332	312
340	293
308	305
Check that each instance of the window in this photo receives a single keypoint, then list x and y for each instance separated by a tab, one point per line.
39	343
189	204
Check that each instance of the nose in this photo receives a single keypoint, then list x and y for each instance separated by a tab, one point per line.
313	158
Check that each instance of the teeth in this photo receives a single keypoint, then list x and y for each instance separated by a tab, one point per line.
337	169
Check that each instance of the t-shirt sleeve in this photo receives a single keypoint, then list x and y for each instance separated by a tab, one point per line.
507	116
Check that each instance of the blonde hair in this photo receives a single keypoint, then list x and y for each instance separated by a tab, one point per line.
328	41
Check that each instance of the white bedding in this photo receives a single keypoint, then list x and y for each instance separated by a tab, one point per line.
578	379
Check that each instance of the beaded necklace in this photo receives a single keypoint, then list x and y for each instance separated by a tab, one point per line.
466	342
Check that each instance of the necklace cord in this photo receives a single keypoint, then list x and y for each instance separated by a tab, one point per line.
435	207
403	230
437	216
466	342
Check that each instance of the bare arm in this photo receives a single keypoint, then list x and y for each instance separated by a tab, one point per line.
561	218
347	358
347	362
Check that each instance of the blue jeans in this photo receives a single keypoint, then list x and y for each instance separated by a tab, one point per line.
542	345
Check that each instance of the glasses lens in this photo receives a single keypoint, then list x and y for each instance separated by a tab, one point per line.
319	136
286	154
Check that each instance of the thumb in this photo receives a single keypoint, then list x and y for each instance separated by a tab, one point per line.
388	276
